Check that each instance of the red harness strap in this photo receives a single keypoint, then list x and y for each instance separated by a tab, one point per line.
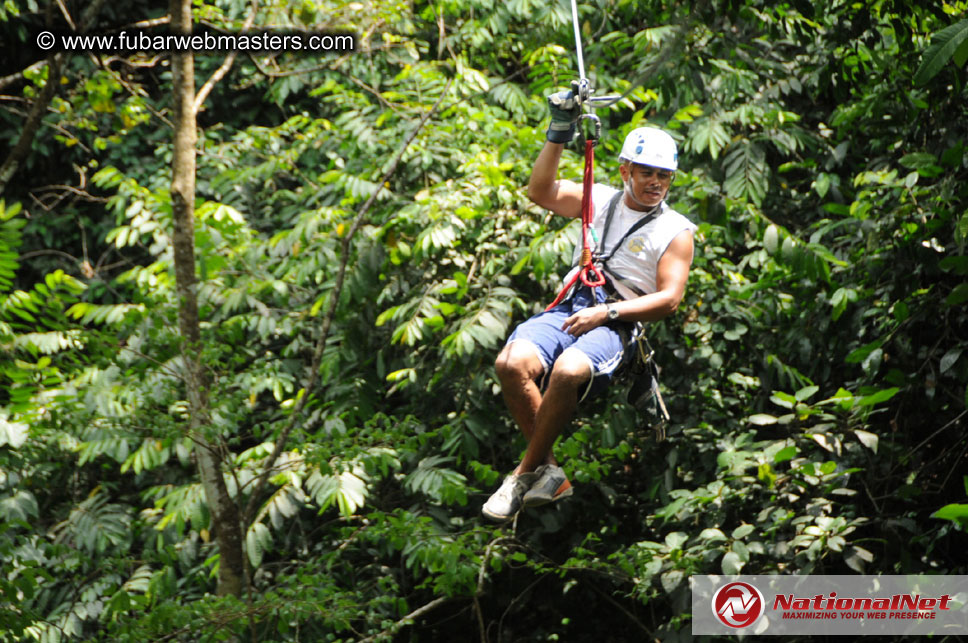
589	273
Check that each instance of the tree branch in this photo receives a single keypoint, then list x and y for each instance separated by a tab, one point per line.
331	66
136	92
629	614
417	613
280	443
226	64
147	24
67	15
89	14
14	77
480	585
22	147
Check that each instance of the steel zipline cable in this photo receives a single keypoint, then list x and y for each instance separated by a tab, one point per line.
574	22
604	102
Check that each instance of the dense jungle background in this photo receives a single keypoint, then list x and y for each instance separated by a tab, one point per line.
250	303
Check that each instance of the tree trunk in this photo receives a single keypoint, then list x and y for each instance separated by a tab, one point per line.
224	510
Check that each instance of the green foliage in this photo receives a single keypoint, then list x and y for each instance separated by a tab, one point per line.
947	44
9	242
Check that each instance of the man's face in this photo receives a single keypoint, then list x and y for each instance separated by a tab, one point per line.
647	184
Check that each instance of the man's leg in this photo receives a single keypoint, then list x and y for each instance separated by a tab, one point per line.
518	366
596	353
537	342
569	375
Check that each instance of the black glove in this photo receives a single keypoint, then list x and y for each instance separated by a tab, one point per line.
565	113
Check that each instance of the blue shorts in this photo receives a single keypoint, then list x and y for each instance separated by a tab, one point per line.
603	346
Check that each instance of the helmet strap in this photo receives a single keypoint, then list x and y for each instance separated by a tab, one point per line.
648	209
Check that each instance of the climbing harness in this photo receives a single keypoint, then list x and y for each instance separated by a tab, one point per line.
603	257
643	393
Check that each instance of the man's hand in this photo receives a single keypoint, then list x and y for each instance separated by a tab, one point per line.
565	112
585	320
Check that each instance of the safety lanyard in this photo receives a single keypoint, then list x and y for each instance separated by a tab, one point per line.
588	272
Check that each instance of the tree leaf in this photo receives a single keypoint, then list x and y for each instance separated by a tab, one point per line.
943	47
22	505
676	540
708	134
747	174
257	541
868	439
824	441
12	433
917	160
672	579
711	534
955	512
855	557
859	355
878	397
961	56
771	239
783	399
822	184
742	531
732	564
958	295
949	359
761	419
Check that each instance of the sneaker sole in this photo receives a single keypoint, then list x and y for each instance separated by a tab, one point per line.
539	500
496	517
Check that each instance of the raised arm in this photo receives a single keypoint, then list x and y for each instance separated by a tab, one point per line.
561	196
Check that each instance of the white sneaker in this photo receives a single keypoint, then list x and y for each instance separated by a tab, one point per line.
506	501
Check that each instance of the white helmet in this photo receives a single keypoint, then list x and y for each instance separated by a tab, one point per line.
650	146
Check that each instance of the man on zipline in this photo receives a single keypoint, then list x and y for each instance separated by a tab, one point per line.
559	357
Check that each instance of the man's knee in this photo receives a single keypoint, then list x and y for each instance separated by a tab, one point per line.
572	368
518	360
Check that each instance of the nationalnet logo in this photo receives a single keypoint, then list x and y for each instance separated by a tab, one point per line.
738	605
832	606
835	604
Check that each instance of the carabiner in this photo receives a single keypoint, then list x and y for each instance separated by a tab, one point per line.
582	89
598	127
